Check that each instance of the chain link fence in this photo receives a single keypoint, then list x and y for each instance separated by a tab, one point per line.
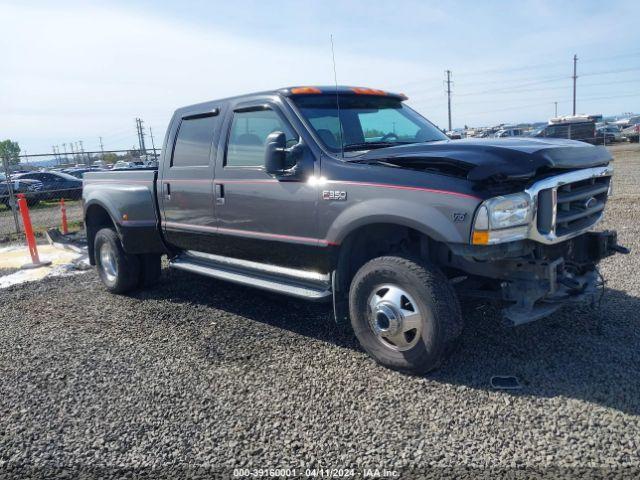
47	193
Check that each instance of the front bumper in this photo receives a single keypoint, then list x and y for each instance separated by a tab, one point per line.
542	286
532	279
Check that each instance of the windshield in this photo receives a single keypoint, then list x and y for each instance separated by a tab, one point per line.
366	122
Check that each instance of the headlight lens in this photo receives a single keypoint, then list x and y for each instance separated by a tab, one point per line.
509	211
502	219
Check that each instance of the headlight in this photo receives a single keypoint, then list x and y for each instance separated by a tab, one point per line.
502	219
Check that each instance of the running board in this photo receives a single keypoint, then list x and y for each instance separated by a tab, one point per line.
316	291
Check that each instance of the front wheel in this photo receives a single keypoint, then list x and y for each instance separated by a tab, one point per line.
118	270
405	313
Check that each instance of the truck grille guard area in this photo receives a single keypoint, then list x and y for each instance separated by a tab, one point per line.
569	204
565	206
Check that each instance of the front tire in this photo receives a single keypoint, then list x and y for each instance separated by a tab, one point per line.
118	270
405	313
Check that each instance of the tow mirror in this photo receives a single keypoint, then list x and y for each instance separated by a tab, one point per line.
275	152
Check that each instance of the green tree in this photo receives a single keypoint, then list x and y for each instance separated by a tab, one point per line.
11	150
110	158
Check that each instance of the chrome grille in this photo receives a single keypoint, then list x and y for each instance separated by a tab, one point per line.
580	204
569	204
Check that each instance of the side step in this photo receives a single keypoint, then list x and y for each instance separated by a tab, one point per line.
247	273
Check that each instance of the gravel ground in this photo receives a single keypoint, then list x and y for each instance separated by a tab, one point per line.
200	377
42	217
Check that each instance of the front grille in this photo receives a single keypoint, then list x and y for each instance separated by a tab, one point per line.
578	205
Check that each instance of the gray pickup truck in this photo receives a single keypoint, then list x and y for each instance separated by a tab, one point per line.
348	195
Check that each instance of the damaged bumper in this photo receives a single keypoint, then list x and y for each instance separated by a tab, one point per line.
538	288
534	280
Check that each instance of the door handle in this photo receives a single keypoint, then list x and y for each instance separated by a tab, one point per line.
219	194
168	190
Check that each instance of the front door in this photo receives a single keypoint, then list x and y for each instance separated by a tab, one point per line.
186	186
261	217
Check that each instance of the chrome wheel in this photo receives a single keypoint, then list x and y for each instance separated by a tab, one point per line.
394	318
108	262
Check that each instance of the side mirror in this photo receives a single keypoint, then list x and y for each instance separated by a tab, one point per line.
275	152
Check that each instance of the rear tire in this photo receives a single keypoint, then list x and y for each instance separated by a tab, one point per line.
118	270
405	313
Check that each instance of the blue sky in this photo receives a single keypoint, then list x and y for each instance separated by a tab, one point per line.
79	70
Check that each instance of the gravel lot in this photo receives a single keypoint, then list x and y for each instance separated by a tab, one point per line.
197	376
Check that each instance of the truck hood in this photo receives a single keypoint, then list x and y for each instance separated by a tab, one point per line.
492	159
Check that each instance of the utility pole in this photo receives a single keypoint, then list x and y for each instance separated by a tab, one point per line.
138	133
153	145
84	157
54	153
64	148
143	149
556	104
102	148
73	155
449	95
575	77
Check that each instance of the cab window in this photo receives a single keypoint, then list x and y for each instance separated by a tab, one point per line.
248	135
193	142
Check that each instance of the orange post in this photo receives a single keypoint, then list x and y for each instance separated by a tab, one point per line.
28	229
63	209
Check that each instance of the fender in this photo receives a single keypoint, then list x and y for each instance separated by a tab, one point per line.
132	213
433	217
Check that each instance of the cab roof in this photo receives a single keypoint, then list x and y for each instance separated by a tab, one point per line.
292	92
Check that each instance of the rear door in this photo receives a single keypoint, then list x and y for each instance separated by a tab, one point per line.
186	187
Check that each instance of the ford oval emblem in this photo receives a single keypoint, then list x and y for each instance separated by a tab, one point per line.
591	202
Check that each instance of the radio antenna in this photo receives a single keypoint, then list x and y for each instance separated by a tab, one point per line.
335	80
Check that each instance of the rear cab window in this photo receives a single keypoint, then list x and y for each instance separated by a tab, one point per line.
193	142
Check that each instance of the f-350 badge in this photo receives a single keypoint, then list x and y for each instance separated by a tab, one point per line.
334	195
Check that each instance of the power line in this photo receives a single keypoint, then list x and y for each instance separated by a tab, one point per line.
517	107
531	90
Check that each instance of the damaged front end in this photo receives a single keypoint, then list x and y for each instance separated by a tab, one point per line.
534	280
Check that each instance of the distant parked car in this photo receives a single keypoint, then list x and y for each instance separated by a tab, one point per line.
609	133
31	189
124	164
454	135
56	185
509	132
628	122
79	172
580	129
632	133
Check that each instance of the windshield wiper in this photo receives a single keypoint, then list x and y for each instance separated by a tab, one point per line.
371	145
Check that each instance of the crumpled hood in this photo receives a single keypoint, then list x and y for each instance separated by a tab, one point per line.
495	158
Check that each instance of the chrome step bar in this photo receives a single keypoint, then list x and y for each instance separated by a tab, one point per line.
296	283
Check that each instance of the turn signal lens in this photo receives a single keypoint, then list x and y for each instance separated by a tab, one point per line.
480	237
305	90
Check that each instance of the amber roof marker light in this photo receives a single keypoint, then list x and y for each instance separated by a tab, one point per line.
305	90
368	91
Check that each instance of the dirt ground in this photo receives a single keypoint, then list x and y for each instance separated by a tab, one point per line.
198	377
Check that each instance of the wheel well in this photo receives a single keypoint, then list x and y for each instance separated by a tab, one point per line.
375	240
96	218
